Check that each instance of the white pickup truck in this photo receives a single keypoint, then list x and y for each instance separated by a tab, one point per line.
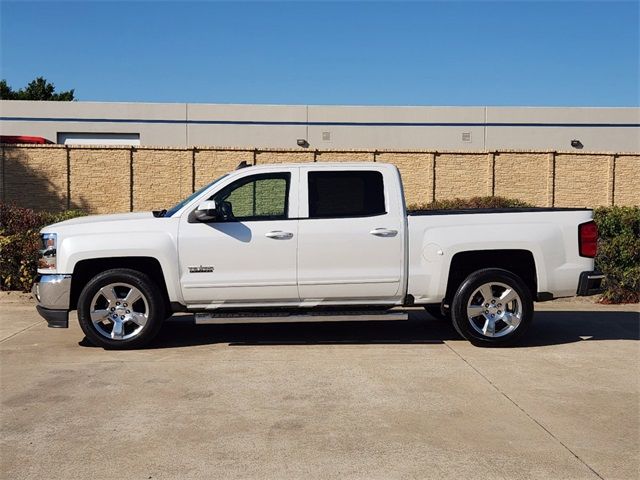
317	241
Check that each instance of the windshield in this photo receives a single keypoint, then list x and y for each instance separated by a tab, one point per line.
177	207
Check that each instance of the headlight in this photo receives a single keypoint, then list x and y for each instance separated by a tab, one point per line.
48	251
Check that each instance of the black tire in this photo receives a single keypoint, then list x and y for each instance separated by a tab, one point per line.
436	311
152	300
471	285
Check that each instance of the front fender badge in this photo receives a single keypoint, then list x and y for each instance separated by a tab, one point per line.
201	269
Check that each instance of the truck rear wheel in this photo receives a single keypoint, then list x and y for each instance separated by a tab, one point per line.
492	308
120	308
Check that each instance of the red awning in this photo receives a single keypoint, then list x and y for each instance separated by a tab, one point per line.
23	139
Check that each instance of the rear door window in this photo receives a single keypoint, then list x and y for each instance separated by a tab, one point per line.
339	194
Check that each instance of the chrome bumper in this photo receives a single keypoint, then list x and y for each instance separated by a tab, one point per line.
53	293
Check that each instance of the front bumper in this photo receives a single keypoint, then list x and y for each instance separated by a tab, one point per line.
53	293
590	283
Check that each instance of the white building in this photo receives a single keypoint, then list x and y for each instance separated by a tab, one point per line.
326	127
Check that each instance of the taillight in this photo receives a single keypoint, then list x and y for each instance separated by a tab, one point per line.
588	239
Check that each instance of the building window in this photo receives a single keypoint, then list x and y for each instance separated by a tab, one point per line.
97	138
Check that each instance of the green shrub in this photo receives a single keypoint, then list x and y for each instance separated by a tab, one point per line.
20	243
474	202
619	253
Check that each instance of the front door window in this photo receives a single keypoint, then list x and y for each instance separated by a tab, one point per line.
255	198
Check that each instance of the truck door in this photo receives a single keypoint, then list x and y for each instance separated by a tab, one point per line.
249	256
351	234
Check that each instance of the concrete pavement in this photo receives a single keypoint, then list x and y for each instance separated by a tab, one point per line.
321	400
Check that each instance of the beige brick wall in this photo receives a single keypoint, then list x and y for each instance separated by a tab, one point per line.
35	177
461	175
344	156
581	180
416	170
100	178
627	180
522	176
153	187
211	164
263	158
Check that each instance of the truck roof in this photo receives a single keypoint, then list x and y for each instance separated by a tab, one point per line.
321	165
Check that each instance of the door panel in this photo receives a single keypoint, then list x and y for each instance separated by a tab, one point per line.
248	265
341	259
248	255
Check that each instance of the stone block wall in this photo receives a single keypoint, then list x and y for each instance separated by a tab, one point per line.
99	179
35	178
120	179
161	178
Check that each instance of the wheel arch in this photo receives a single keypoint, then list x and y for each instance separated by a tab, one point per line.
519	262
85	270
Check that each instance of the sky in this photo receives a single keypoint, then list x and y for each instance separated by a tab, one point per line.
562	53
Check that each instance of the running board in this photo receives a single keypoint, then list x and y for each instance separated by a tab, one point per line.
202	318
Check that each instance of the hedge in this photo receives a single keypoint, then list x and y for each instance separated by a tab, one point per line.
20	243
474	202
618	251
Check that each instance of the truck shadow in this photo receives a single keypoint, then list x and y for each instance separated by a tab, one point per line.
549	328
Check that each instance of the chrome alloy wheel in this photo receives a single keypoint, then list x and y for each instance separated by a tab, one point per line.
494	309
119	311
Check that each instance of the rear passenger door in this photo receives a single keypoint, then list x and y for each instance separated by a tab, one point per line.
350	235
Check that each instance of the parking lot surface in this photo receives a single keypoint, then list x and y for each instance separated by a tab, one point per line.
369	400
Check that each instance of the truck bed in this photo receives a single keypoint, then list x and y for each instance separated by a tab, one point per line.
468	211
549	234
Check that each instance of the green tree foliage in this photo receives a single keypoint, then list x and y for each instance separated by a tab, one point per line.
38	89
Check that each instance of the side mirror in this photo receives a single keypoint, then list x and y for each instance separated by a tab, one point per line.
206	211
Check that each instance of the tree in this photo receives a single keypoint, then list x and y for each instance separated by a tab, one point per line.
38	89
6	92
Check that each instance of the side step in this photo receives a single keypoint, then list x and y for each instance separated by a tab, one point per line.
294	317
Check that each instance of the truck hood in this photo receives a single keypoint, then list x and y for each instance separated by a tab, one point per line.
118	217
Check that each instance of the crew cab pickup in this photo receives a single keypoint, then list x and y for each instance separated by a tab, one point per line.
295	241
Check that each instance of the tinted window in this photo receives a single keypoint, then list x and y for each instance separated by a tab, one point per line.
345	194
259	197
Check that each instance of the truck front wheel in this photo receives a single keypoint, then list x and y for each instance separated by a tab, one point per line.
120	308
492	307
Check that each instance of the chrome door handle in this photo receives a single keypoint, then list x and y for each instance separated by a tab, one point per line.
278	235
383	232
